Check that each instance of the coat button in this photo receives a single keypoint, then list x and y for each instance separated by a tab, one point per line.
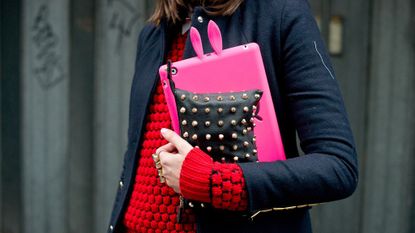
200	19
111	227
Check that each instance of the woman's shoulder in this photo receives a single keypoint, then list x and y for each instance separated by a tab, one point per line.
148	30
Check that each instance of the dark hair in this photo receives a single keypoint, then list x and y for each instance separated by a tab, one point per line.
176	10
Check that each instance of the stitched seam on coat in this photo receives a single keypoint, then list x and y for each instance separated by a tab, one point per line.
322	60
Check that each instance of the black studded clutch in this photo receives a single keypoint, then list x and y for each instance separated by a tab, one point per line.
221	124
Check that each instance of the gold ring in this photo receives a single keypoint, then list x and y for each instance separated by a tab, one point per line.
156	157
158	164
160	173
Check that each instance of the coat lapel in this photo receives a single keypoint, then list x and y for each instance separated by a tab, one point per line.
145	80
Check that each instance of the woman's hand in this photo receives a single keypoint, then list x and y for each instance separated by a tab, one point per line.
172	156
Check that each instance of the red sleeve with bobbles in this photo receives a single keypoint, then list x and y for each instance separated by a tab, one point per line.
221	184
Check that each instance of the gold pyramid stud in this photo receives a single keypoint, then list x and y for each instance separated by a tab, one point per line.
194	110
195	97
222	147
234	135
233	109
246	109
219	98
207	110
185	134
233	122
244	96
221	136
182	110
194	136
235	158
208	136
209	148
220	123
183	97
206	99
207	123
184	122
194	123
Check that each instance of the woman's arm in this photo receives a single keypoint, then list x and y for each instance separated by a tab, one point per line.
192	173
219	184
328	170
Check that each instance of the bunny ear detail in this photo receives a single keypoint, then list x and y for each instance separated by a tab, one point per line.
196	42
215	37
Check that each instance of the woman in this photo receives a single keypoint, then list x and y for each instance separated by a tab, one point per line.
227	197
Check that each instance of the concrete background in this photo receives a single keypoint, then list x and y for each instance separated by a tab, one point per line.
65	74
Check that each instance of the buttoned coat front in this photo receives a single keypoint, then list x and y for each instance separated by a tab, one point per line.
307	101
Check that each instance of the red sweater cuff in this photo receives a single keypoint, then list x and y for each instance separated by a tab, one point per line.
195	176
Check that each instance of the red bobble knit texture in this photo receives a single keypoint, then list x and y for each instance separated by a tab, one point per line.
152	206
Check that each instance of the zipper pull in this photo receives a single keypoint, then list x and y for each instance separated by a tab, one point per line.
180	209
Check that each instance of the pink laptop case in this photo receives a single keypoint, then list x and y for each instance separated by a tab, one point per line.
234	69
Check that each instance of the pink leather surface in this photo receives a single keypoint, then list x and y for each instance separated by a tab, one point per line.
235	69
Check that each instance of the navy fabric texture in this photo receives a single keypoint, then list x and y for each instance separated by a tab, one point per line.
307	100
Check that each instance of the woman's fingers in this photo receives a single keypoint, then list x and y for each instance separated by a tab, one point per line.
171	165
169	147
182	145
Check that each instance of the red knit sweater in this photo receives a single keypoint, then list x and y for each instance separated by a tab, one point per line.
153	205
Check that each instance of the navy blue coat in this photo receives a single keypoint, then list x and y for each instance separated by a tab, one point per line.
307	100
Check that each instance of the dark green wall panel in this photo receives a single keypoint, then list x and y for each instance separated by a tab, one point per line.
11	170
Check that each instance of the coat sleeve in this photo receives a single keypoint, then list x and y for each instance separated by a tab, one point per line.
328	170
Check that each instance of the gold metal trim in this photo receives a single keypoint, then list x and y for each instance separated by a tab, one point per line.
282	209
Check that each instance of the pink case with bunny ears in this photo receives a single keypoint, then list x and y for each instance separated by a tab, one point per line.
234	69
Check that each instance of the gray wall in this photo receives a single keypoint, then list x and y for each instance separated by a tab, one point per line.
388	171
376	73
65	94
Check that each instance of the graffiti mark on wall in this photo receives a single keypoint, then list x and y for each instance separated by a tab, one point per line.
48	67
123	18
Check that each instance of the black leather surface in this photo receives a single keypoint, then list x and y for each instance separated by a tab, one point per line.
221	124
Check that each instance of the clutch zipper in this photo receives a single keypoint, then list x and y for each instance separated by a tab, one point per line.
180	209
